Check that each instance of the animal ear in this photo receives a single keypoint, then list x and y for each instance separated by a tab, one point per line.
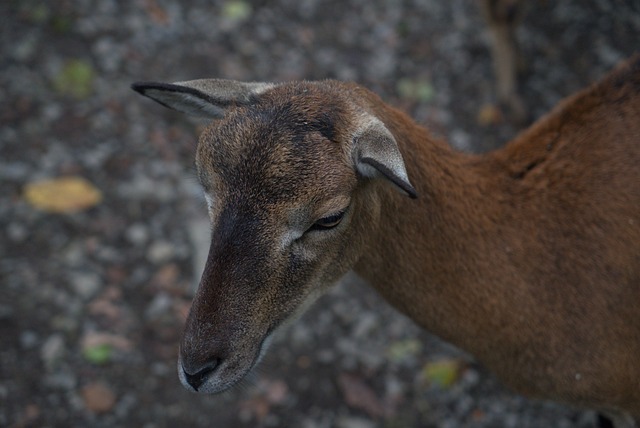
377	155
204	97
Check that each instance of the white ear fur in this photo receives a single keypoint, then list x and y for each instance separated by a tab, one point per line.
377	155
204	97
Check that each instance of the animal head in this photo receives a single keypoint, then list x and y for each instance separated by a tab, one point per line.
289	172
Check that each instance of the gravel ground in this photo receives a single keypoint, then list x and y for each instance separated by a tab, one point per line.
92	303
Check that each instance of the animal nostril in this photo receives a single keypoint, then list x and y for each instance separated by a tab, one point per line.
197	379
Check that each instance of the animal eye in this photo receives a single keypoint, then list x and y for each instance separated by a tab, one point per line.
328	222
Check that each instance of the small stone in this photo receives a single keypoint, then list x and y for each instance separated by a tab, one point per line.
28	339
160	305
15	171
326	356
354	422
52	350
17	232
365	325
74	255
86	285
160	252
137	234
166	277
64	379
98	397
6	311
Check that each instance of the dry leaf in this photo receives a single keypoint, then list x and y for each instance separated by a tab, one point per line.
156	12
98	397
359	395
489	114
62	195
94	339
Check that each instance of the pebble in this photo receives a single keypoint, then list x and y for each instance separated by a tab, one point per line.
137	234
160	252
74	255
28	339
6	311
160	304
354	422
365	324
85	284
17	232
52	349
63	379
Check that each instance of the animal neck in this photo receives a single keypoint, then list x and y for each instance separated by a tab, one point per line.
433	258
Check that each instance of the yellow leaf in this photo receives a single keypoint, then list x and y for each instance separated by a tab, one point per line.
442	373
62	195
489	114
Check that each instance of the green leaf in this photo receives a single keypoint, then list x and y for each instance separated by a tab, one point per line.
236	10
75	79
403	349
416	90
37	13
98	354
443	373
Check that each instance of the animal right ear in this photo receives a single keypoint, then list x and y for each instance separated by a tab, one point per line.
377	155
204	97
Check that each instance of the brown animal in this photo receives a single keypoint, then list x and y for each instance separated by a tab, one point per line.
528	257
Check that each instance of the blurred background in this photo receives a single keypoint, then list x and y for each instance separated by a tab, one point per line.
103	227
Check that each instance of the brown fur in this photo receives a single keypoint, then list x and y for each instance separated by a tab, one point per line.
527	257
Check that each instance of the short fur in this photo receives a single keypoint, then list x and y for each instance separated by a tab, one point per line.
527	257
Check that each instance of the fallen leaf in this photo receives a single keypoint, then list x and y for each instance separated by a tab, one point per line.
236	10
442	373
75	79
359	395
98	354
105	308
62	195
489	114
403	349
94	339
416	90
166	277
98	397
156	12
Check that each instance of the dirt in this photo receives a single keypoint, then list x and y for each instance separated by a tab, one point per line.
92	302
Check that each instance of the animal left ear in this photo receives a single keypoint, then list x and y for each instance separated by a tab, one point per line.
377	155
203	97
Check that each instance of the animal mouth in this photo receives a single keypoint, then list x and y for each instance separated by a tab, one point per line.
219	375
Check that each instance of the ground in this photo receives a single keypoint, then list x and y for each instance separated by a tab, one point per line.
92	302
